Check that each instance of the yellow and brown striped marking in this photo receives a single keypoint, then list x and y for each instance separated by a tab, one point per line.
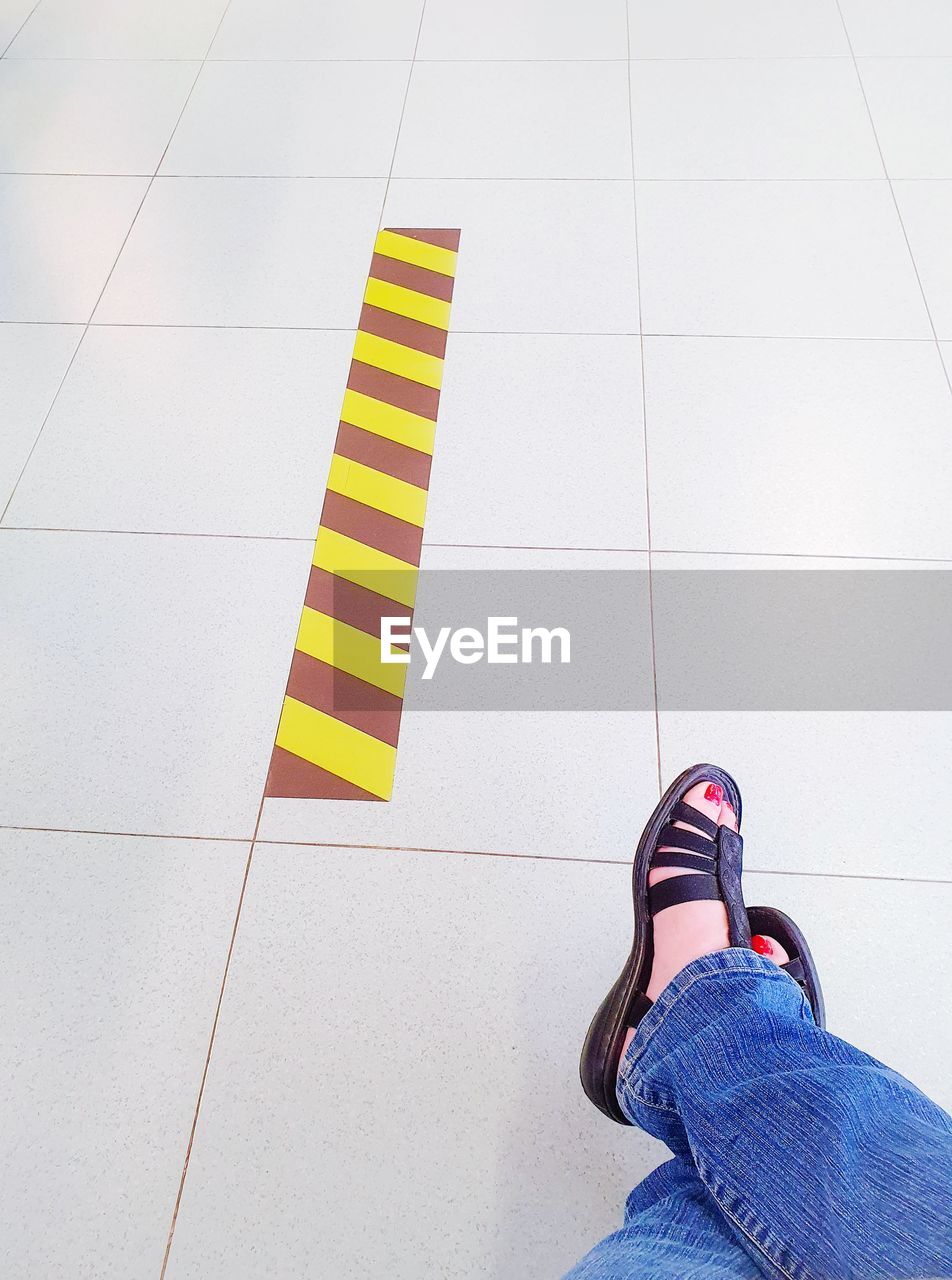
337	737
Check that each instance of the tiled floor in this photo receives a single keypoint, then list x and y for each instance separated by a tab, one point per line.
703	320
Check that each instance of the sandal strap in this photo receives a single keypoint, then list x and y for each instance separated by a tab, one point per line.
678	889
672	835
730	859
692	861
682	812
639	1007
795	969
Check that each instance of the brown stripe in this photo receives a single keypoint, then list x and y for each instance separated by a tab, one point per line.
344	697
350	603
383	455
411	277
292	778
412	333
445	237
371	527
393	389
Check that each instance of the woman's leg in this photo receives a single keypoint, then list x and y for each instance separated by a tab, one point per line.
673	1231
822	1163
827	1165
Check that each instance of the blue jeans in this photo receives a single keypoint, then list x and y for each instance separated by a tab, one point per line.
796	1156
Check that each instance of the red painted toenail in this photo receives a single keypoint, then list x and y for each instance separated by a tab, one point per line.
761	945
731	807
714	793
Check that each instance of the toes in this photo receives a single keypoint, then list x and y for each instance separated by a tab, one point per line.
769	948
728	818
707	798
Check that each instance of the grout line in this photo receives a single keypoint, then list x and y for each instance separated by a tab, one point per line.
413	177
403	108
32	57
467	853
208	1054
122	246
372	61
497	333
786	337
502	547
49	410
132	835
777	57
807	555
644	407
773	180
796	57
154	533
18	30
892	192
66	173
516	546
215	1020
610	862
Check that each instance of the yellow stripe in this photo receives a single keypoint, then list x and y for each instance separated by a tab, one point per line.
337	747
394	357
407	302
366	566
377	489
417	252
349	649
388	421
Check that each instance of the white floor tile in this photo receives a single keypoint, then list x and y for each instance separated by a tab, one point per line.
552	426
112	951
516	120
534	256
190	431
781	259
61	237
874	944
89	117
33	359
891	28
271	118
300	29
449	1136
736	29
926	210
247	251
802	775
530	29
464	1181
118	29
911	104
751	118
798	447
542	783
144	678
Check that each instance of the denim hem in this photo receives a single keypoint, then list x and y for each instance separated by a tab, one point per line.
647	1045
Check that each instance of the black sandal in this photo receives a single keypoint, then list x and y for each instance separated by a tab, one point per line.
715	859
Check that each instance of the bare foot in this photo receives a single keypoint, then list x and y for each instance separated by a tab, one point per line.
691	929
